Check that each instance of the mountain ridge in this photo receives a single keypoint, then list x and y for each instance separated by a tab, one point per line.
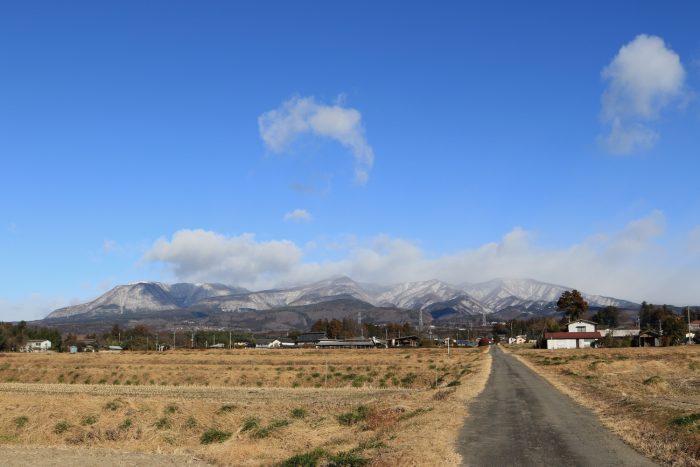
439	299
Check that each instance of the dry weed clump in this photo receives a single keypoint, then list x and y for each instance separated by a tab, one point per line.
648	396
341	423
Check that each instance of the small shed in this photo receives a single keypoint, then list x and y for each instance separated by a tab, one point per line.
649	338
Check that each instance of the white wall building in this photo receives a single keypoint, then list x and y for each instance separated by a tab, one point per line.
37	345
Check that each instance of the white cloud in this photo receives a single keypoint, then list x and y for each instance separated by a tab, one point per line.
627	264
279	127
644	77
298	215
635	137
200	255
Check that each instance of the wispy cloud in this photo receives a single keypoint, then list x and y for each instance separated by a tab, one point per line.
629	263
281	126
645	77
298	215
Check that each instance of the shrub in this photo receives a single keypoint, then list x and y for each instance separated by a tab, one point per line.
212	435
172	408
163	423
190	423
278	423
226	408
20	422
298	412
88	420
112	405
262	432
350	418
250	423
61	427
408	379
453	383
126	424
686	420
307	459
346	459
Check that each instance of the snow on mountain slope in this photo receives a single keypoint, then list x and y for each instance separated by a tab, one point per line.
433	295
418	294
139	296
498	294
303	295
146	296
186	294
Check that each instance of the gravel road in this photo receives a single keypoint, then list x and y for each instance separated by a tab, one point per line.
521	420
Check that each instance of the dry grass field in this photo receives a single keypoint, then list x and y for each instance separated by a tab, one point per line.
246	407
649	396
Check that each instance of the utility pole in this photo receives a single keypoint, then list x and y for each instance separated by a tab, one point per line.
420	320
192	341
359	323
146	343
173	340
157	348
229	340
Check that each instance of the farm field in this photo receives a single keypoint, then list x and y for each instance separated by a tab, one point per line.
650	397
245	407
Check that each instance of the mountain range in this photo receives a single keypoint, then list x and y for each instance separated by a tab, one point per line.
435	301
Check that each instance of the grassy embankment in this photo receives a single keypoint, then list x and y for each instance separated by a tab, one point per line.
246	407
650	397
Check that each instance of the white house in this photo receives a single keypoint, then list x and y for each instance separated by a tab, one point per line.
37	345
582	325
581	335
517	340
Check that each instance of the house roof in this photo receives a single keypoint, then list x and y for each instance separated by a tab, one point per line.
311	337
572	335
582	321
264	341
285	340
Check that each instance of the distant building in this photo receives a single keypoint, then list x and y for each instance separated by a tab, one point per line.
310	339
581	335
36	345
649	338
517	340
286	342
349	344
265	343
405	341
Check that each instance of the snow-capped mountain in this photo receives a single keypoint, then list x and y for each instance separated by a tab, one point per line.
418	295
438	300
146	296
304	295
498	294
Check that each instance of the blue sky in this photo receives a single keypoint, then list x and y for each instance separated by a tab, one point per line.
281	142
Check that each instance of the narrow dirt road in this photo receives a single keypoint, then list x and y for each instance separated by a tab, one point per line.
521	420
